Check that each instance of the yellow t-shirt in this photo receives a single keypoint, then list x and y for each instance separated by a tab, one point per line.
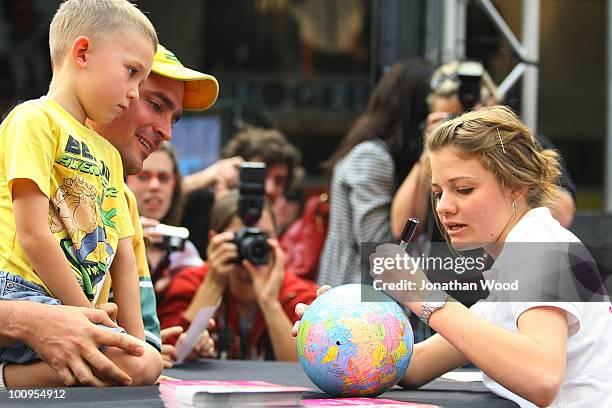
148	306
140	251
81	174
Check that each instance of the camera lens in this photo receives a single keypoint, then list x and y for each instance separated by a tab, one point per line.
252	245
256	249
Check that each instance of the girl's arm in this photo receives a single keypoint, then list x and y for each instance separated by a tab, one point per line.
31	208
221	253
126	289
279	329
530	363
410	200
430	359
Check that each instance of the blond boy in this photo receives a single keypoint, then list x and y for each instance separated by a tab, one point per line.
63	218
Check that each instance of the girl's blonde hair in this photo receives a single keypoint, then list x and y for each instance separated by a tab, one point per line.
506	147
97	19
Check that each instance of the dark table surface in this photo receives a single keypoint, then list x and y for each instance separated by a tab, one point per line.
439	392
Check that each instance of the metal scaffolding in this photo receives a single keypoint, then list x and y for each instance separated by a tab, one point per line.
608	151
453	21
527	51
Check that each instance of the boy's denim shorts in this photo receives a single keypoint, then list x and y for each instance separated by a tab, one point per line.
14	287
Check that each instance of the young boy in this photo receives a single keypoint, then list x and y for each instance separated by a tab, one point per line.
62	212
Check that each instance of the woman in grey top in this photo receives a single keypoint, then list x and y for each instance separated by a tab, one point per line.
378	151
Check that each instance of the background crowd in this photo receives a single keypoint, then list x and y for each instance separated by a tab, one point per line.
386	169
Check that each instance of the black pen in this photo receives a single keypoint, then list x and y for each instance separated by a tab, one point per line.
408	232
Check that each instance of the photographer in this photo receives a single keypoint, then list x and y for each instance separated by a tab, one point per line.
257	302
158	194
249	143
456	88
371	160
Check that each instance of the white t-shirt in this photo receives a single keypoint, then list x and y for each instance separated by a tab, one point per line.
189	256
587	379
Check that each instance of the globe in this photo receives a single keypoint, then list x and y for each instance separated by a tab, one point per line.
354	348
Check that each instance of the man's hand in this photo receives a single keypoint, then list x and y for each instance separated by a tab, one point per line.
222	175
227	172
67	339
300	308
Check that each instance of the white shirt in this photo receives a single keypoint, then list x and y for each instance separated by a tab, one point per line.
189	256
587	379
360	196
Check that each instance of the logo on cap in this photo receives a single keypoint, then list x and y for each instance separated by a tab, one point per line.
172	57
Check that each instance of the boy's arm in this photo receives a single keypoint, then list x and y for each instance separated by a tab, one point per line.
126	288
31	208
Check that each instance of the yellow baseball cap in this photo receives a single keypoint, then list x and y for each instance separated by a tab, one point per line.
201	90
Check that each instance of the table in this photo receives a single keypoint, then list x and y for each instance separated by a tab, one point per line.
440	392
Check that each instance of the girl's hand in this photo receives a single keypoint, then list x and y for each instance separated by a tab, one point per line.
204	347
300	308
221	254
399	276
168	351
267	279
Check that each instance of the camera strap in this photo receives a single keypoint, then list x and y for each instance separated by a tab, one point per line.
163	264
157	273
225	337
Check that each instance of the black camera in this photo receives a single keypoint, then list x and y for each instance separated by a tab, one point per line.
173	238
252	243
470	78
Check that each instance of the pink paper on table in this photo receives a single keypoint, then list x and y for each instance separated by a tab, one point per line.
362	402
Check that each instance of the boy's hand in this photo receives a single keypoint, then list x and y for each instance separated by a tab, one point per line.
110	309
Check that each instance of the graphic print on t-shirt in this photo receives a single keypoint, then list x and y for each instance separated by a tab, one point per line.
78	218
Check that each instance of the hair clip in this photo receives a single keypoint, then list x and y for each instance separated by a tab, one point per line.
500	140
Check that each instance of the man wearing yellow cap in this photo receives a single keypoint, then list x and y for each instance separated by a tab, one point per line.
170	88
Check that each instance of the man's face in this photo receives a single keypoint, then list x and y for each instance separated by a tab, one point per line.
147	123
277	177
